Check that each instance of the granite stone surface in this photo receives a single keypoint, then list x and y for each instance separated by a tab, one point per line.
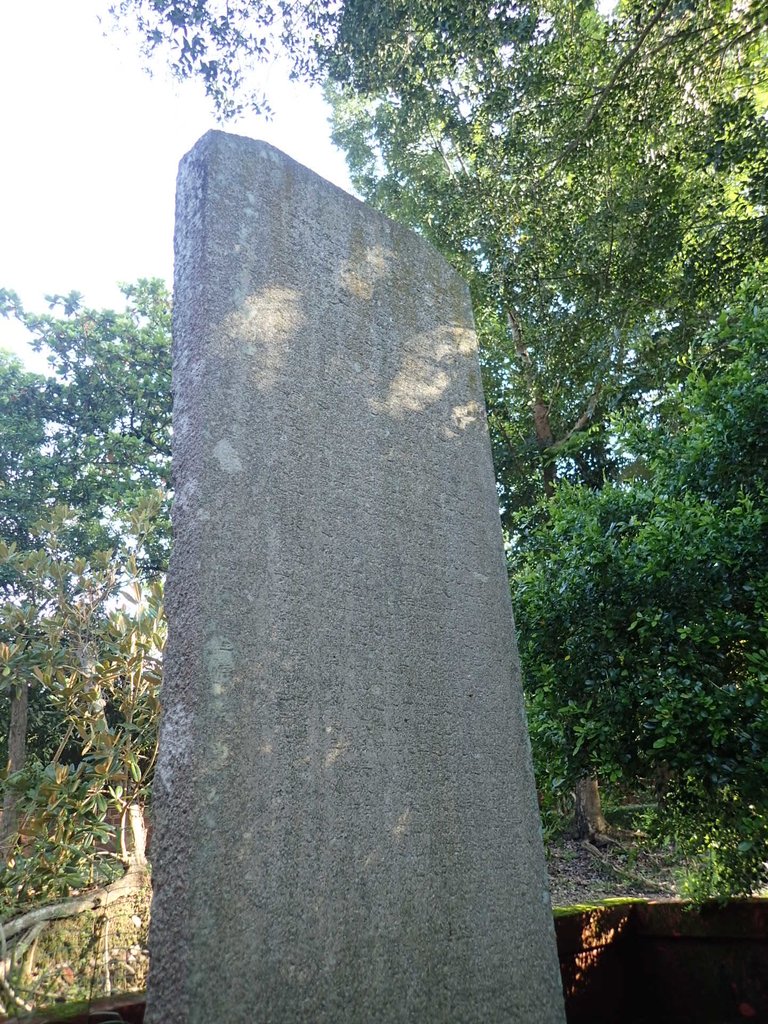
346	829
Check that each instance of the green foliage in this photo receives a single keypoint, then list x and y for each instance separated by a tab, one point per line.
95	434
24	468
600	182
642	608
222	48
87	636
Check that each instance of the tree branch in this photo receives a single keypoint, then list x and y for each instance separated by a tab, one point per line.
606	91
581	423
131	882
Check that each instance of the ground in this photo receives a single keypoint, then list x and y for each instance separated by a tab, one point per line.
607	867
82	958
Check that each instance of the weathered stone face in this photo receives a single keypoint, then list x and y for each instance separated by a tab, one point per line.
346	824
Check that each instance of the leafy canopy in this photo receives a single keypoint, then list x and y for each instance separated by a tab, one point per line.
600	182
94	435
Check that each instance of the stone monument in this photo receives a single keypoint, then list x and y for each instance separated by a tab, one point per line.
346	821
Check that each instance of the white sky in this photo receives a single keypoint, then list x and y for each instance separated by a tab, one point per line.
90	148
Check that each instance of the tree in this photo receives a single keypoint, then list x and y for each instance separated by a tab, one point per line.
555	158
93	437
88	636
95	434
642	609
84	535
24	467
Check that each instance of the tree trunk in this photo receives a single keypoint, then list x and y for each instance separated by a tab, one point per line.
589	820
544	439
137	857
588	815
17	756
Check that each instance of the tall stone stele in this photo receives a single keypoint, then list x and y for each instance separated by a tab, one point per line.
346	821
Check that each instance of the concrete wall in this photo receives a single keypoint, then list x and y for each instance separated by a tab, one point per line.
346	824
